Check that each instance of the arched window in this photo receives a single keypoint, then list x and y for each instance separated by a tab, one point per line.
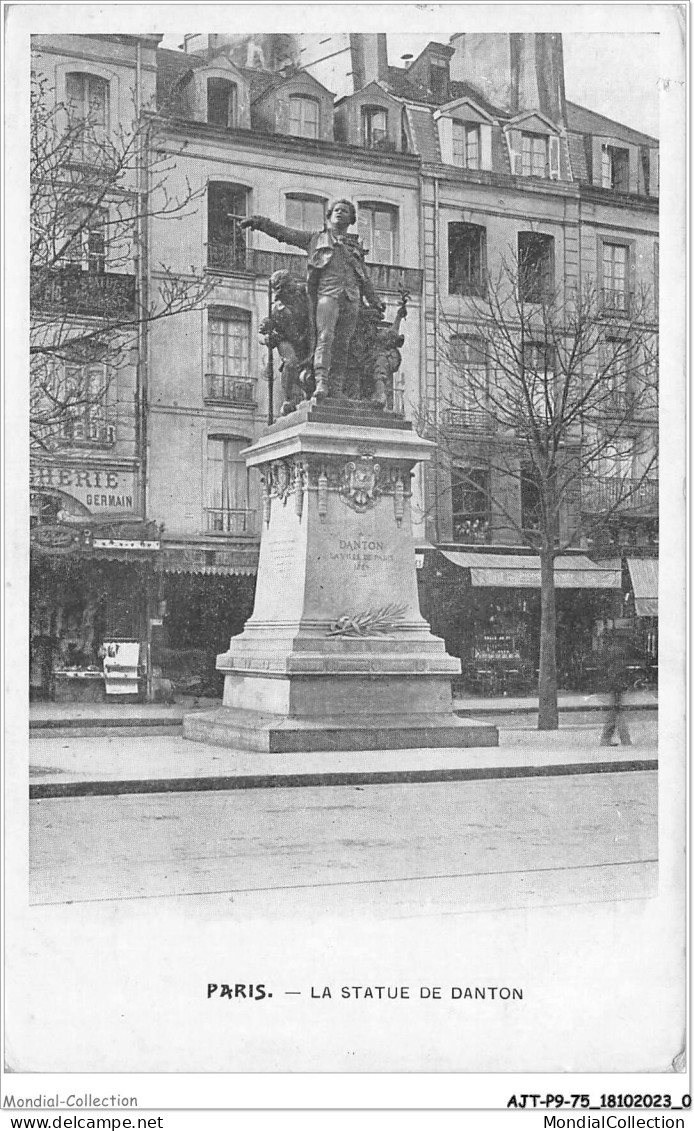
305	211
222	102
86	96
226	241
304	116
374	125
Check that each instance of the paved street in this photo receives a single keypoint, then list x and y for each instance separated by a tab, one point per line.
381	850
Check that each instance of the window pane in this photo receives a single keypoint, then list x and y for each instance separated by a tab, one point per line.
75	91
526	156
226	241
364	219
97	101
229	347
303	117
472	150
215	472
221	102
465	254
384	223
375	125
458	143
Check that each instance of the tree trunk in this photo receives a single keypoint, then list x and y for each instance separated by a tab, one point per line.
548	715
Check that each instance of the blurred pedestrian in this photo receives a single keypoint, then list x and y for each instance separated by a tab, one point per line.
617	657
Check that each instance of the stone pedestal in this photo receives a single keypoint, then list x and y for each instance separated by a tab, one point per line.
336	655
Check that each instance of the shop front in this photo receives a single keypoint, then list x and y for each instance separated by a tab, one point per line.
486	606
205	596
641	608
92	582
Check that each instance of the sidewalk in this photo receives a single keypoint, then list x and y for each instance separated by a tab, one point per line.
65	766
160	717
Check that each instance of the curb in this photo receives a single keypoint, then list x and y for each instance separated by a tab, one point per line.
45	790
87	724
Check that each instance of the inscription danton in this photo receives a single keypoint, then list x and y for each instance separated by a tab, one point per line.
365	554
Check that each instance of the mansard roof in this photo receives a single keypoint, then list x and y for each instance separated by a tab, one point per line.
583	121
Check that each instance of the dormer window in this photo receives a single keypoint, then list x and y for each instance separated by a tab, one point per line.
533	155
221	102
466	145
304	116
374	124
615	168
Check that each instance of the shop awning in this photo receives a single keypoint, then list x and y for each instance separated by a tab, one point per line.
510	571
214	563
644	579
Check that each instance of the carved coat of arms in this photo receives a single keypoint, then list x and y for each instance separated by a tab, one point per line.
281	480
359	483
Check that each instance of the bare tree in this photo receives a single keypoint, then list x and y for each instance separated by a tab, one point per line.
562	390
94	194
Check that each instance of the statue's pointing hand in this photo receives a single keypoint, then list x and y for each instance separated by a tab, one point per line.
250	222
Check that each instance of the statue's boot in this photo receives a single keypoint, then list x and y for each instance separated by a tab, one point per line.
322	390
287	407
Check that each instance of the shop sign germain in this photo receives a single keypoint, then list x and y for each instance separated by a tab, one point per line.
97	489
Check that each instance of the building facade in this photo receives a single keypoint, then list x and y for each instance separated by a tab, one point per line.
93	545
466	159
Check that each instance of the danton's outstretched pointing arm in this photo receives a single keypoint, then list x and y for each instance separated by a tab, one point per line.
295	236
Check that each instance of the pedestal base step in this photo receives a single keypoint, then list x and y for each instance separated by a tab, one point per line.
248	730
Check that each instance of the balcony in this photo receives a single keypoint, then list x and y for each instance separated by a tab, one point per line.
73	291
472	530
236	523
615	302
606	493
238	259
230	390
467	420
391	277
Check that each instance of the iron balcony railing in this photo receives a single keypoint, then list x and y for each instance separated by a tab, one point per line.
617	301
234	522
74	291
237	258
473	530
604	493
220	387
467	420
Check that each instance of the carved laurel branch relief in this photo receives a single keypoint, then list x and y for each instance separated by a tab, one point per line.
371	622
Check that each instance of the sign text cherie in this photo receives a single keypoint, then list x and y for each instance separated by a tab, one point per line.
72	477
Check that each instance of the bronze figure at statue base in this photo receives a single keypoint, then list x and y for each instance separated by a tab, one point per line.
336	655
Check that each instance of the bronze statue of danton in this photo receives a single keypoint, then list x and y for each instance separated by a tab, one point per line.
338	286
